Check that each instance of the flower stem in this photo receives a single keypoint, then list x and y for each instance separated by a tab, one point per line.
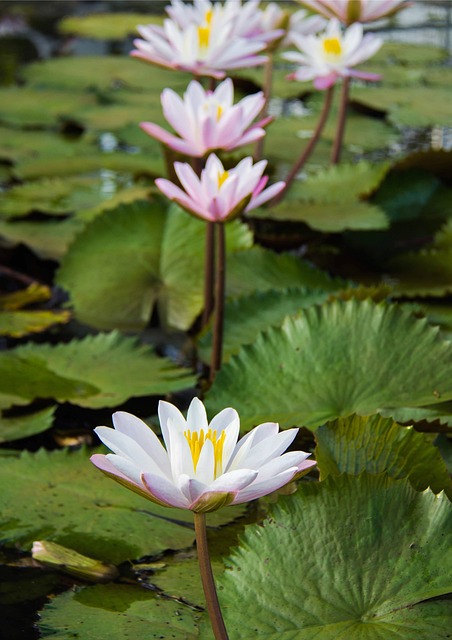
268	83
208	583
209	262
337	146
217	346
310	146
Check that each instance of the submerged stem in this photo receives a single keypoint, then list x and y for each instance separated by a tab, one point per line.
217	346
310	146
208	583
341	120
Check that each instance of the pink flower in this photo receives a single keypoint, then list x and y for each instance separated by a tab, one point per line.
349	11
332	54
208	120
203	466
220	195
207	46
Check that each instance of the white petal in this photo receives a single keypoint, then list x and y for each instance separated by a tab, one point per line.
168	412
205	468
259	489
181	458
142	434
196	416
234	480
165	491
126	447
126	467
269	449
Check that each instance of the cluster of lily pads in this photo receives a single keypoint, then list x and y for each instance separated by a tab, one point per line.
337	321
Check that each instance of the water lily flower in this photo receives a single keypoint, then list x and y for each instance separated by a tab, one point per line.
208	120
333	54
207	47
349	11
203	466
219	195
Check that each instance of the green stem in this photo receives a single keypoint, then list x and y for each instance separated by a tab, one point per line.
268	82
217	346
208	583
310	146
209	265
341	120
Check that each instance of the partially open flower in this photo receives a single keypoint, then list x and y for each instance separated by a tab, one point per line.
208	120
333	54
219	195
349	11
203	466
209	46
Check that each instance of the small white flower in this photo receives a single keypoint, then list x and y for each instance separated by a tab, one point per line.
203	466
349	11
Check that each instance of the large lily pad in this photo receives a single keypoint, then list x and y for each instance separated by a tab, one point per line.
427	273
355	559
106	26
335	360
141	255
113	368
75	505
380	445
119	611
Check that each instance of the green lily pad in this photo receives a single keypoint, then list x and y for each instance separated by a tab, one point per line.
259	269
427	273
28	106
440	413
112	73
75	505
380	445
355	558
106	26
246	316
335	360
120	611
137	371
403	53
26	425
17	324
142	255
17	145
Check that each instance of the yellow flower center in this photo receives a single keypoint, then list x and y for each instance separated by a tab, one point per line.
204	36
332	46
208	17
219	111
222	177
196	440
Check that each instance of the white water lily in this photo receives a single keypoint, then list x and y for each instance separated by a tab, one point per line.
203	466
333	54
349	11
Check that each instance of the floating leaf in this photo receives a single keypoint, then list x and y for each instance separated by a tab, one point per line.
408	54
113	368
76	506
17	324
362	554
335	360
380	445
141	255
259	269
441	413
106	26
17	145
427	273
118	611
26	425
246	316
17	299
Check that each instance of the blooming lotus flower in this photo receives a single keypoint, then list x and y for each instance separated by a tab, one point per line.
208	120
332	54
219	195
207	47
349	11
203	466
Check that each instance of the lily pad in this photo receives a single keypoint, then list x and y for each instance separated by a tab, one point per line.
78	507
106	26
364	555
427	273
142	255
25	425
335	360
137	371
120	611
246	316
380	445
17	324
259	269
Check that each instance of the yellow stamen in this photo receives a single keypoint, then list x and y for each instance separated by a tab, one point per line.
222	177
196	442
204	36
219	111
332	46
208	17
